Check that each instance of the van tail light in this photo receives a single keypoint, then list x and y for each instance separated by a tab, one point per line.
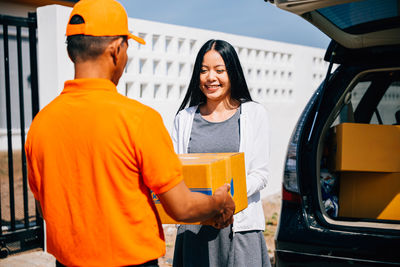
291	190
290	196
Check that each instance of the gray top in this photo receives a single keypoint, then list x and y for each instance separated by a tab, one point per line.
214	137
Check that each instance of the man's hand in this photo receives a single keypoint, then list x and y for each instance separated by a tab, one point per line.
225	215
186	206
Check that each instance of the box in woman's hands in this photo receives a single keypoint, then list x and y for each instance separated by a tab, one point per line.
205	172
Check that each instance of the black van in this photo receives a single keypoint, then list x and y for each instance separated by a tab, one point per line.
341	184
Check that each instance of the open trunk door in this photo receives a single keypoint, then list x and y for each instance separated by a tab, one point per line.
338	19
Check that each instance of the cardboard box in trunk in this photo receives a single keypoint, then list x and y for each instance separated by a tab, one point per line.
367	147
371	195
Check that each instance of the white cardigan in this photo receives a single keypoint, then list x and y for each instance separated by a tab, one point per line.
254	142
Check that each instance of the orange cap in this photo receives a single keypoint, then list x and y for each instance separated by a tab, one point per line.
102	18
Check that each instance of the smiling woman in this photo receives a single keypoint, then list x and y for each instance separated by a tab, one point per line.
215	85
222	117
217	66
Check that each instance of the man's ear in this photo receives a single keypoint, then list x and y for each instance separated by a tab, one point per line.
115	48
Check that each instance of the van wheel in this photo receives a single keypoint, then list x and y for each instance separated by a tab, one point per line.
4	252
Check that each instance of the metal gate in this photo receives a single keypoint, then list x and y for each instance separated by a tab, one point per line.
21	225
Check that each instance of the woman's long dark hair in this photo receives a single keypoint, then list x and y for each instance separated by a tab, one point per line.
239	90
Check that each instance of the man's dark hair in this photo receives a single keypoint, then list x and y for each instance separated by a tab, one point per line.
85	47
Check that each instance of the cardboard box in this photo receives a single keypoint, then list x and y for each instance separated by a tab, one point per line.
372	195
367	147
205	172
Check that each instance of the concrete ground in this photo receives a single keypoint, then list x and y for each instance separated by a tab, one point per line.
44	259
29	259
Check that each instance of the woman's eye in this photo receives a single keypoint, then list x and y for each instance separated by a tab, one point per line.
220	71
203	71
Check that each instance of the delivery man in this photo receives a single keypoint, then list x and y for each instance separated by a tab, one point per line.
94	155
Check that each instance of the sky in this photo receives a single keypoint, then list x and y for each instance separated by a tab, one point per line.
253	18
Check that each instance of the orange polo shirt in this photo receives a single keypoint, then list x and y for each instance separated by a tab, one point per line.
92	156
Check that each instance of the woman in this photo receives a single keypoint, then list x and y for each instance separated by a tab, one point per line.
222	117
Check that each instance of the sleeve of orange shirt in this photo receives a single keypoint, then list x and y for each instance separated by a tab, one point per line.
160	167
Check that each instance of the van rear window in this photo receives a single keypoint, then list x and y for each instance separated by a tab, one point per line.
350	16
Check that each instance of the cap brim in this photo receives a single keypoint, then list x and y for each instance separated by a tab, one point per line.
137	39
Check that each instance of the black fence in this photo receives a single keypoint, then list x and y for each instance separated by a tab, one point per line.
21	226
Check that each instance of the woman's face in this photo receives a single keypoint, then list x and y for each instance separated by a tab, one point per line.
214	80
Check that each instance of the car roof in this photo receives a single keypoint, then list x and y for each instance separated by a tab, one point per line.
351	23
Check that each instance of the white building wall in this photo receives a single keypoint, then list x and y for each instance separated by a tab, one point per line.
157	74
